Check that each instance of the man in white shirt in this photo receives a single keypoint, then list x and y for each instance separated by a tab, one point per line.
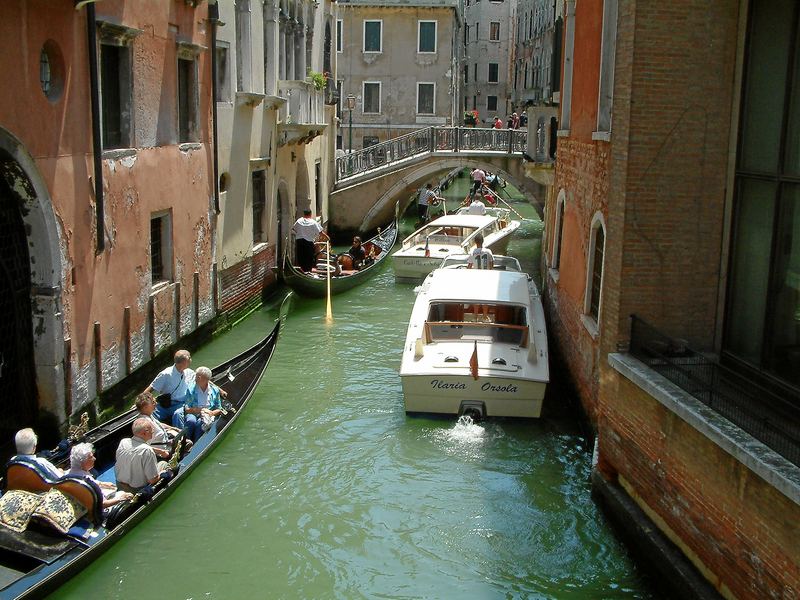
476	207
26	441
306	232
137	465
480	257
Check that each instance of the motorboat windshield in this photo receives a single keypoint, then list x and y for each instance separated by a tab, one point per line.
501	262
451	235
456	321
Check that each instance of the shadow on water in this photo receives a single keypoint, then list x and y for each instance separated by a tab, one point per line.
326	489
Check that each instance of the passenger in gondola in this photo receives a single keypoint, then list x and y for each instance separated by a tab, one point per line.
203	404
175	382
137	465
81	462
307	231
357	253
26	441
163	434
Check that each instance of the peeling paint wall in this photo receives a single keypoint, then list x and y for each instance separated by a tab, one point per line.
158	174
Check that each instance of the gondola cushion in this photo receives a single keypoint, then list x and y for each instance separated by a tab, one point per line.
59	511
16	508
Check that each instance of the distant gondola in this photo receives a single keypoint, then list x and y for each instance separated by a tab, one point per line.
315	283
34	562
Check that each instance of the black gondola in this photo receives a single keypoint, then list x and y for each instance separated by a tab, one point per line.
34	562
315	283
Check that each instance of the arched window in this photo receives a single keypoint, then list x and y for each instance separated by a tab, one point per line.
594	271
558	227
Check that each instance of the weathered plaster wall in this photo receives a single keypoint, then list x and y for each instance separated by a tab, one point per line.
56	132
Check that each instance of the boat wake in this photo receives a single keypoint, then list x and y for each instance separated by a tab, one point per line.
466	431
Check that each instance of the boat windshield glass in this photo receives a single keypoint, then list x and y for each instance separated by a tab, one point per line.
441	235
455	321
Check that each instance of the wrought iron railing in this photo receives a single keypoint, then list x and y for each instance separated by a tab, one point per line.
430	141
767	416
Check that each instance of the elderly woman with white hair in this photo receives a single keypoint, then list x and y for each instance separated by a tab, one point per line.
203	404
81	462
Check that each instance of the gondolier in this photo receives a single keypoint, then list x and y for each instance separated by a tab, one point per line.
307	231
427	197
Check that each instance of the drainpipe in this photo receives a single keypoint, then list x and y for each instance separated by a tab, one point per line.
213	19
97	140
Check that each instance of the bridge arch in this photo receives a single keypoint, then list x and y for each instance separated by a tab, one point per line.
404	182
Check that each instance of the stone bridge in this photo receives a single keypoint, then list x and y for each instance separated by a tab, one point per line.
370	181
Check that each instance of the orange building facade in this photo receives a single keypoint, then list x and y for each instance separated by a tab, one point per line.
108	209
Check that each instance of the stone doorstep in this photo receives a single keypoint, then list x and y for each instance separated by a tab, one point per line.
674	576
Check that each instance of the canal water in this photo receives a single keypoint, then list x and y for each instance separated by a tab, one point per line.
324	488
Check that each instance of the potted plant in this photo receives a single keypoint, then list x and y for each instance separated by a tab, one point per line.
471	117
318	79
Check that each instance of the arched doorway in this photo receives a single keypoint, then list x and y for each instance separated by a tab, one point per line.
17	371
32	329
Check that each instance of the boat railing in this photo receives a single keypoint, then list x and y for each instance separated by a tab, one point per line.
451	331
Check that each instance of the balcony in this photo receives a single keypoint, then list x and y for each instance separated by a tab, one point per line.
302	118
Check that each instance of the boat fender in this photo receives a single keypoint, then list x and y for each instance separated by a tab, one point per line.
419	348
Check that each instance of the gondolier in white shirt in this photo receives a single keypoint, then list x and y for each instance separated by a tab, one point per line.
427	197
307	231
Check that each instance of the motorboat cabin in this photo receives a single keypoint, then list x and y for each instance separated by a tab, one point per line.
476	344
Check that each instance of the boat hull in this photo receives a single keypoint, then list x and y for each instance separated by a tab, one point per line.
501	396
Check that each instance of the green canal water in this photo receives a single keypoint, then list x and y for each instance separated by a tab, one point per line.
324	488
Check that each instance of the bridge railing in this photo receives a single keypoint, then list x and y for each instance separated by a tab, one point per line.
428	141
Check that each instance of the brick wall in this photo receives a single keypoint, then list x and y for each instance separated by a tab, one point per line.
741	532
246	280
582	172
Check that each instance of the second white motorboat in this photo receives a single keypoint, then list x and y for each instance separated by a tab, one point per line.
423	250
476	344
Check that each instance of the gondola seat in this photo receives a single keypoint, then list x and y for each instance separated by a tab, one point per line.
24	473
86	492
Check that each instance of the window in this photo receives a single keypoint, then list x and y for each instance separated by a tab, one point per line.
373	36
466	34
609	44
475	73
493	72
243	46
494	31
426	98
160	247
339	35
369	140
594	284
187	100
761	316
466	103
474	102
559	229
426	37
115	92
491	103
477	30
259	179
466	73
371	93
223	83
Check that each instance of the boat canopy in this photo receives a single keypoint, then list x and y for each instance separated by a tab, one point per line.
487	286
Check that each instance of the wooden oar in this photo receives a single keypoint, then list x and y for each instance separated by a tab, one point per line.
511	208
328	310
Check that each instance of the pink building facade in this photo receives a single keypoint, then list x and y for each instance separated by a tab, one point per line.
101	268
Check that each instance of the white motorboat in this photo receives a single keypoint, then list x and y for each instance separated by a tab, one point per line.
423	250
476	343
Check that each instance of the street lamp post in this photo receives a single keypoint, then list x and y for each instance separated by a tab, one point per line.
351	104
